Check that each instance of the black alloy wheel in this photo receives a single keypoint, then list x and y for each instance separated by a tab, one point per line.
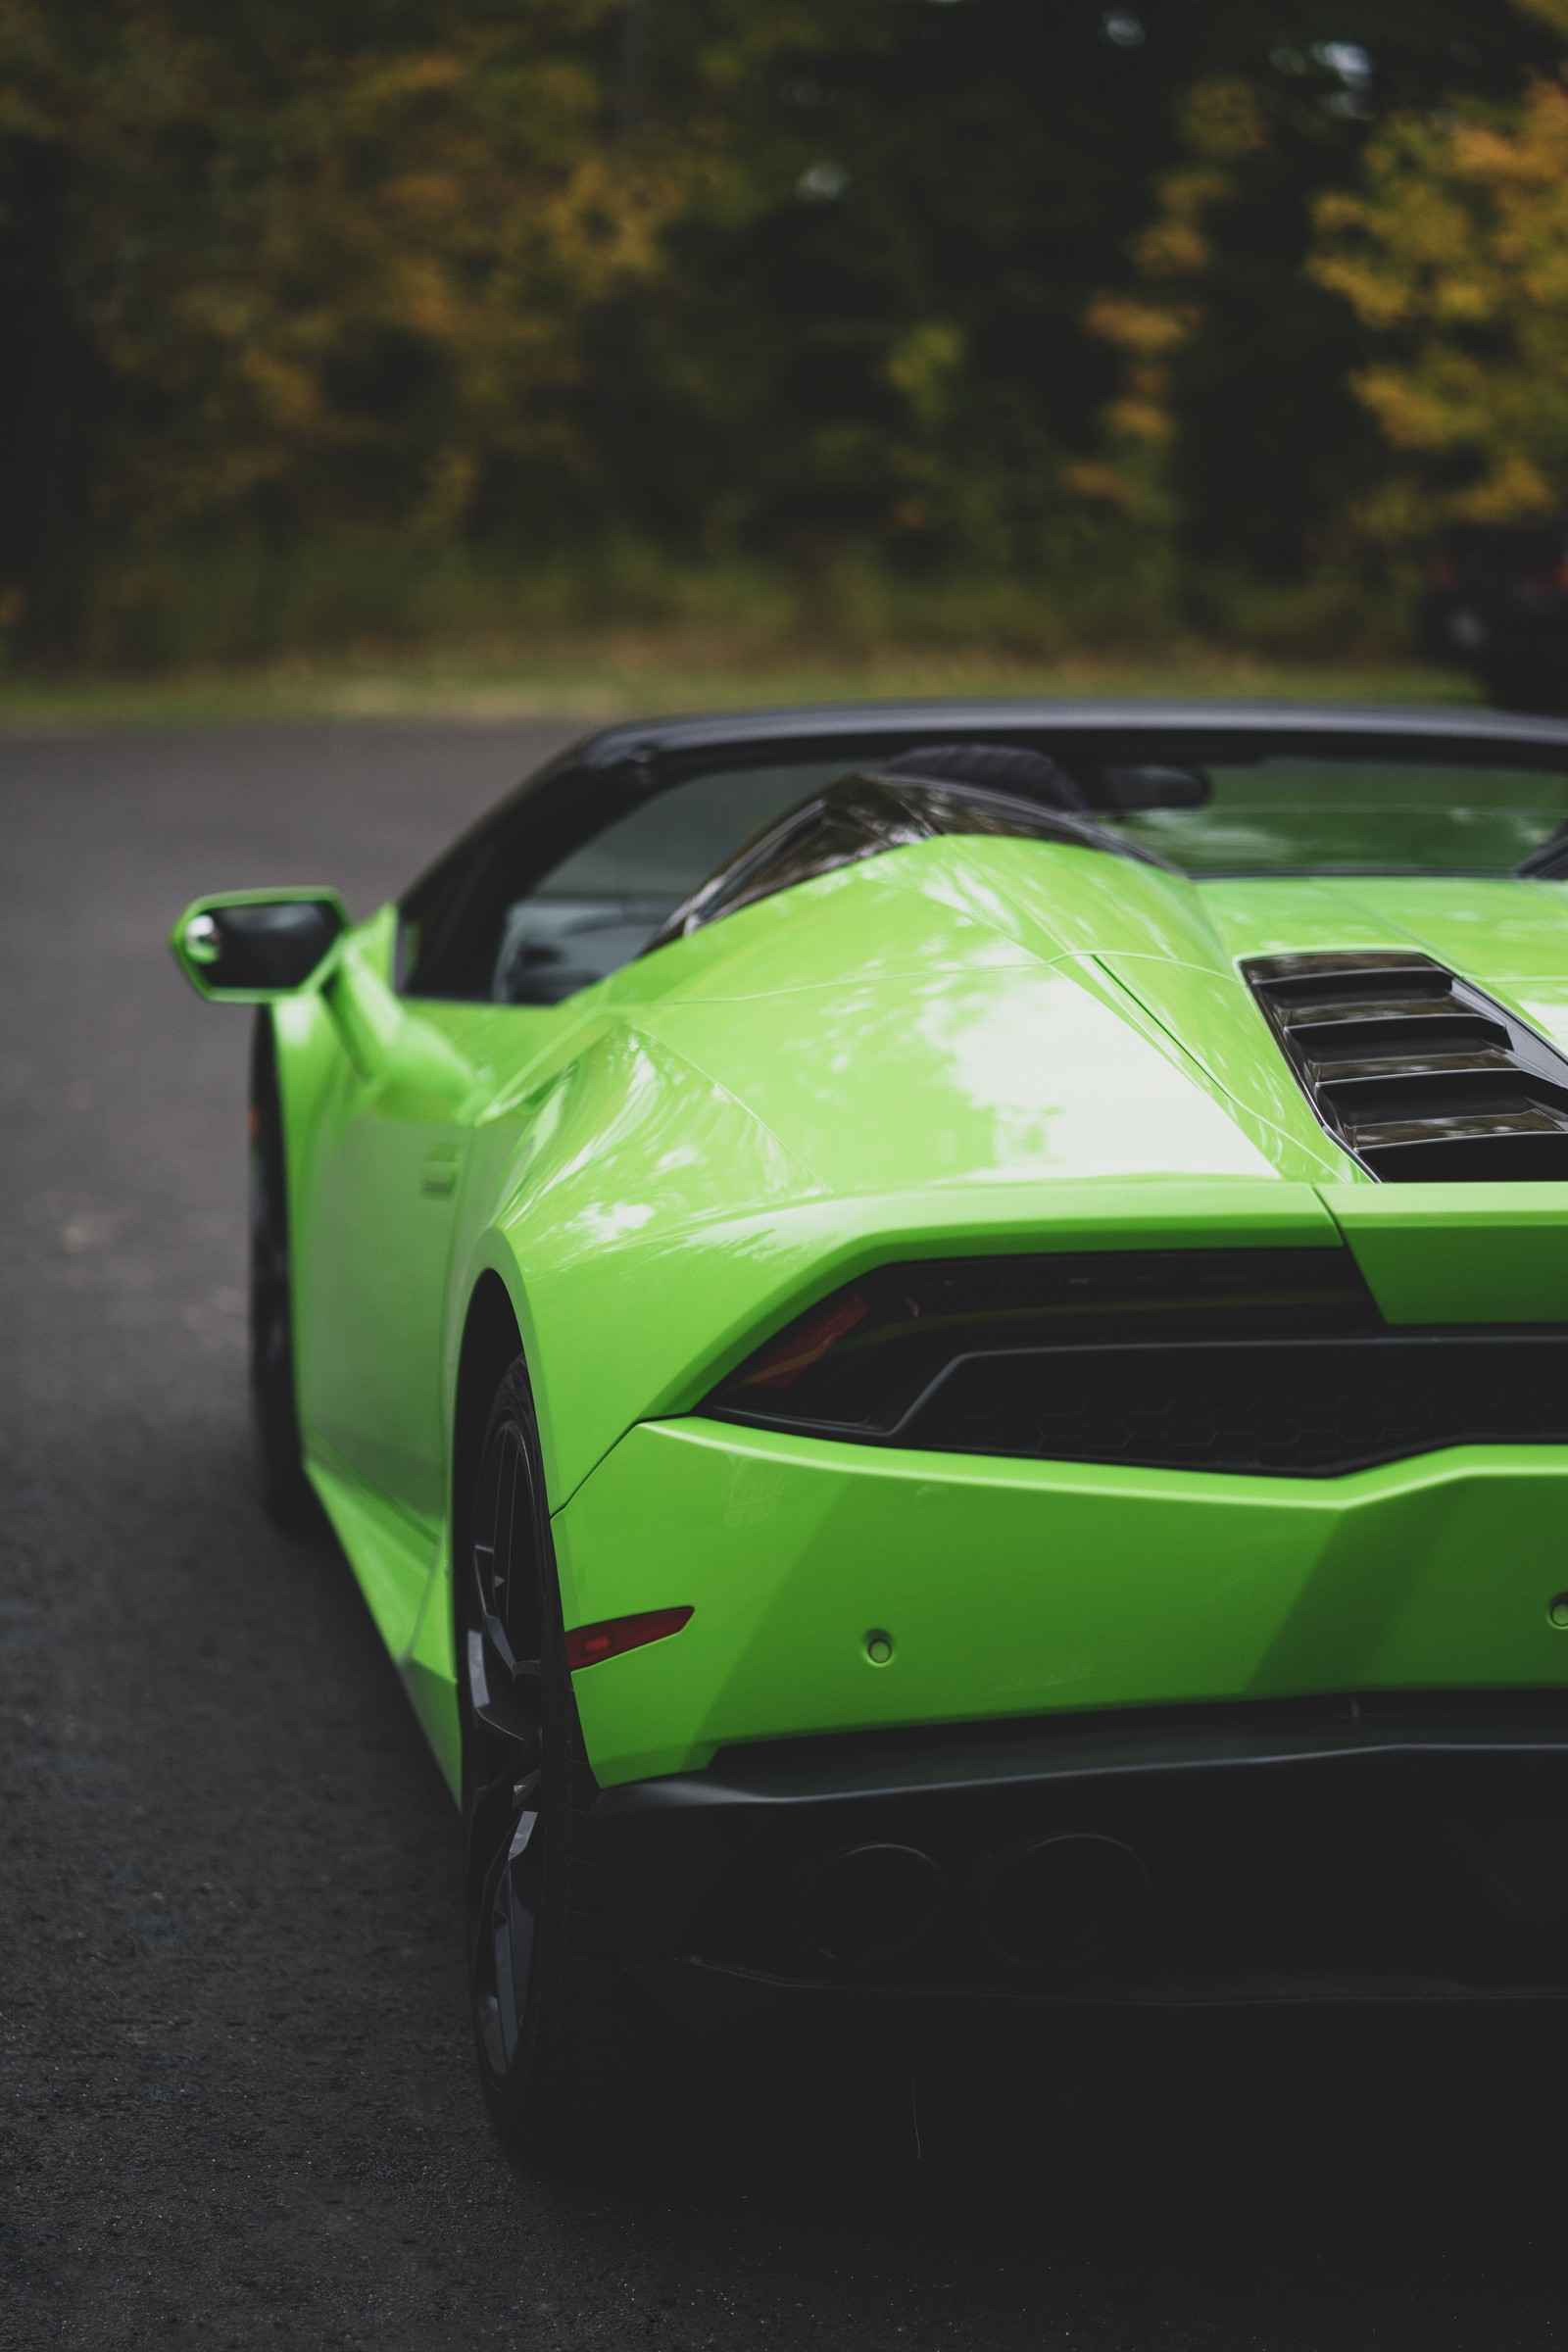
551	2011
286	1491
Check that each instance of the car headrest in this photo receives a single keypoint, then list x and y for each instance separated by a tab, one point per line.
999	766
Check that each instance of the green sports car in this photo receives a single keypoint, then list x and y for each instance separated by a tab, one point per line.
938	1336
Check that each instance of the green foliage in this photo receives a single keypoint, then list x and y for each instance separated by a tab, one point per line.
420	316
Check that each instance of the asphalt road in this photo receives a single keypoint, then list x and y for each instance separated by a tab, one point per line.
236	2105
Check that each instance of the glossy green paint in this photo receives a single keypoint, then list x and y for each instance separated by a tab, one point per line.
1021	1587
970	1045
1461	1252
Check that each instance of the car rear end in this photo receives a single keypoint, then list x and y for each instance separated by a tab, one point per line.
1185	1624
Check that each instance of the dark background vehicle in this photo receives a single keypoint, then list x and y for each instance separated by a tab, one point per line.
1499	607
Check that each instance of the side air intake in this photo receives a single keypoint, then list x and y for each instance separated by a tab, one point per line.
1421	1077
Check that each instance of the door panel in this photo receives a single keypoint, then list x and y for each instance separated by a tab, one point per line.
385	1188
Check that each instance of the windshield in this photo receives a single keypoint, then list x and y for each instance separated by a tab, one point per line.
599	908
1292	815
604	905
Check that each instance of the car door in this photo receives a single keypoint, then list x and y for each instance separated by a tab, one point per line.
407	1080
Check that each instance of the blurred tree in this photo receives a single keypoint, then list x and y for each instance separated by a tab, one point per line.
328	268
47	386
874	333
1453	254
1236	425
948	288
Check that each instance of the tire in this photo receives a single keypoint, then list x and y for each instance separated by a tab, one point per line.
553	2013
286	1493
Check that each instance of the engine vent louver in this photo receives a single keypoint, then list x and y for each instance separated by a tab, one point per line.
1420	1076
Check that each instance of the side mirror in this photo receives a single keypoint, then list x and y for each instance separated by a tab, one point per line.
246	947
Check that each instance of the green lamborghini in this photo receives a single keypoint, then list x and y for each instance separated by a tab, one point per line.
938	1336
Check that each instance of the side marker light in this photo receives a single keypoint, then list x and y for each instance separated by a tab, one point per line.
588	1644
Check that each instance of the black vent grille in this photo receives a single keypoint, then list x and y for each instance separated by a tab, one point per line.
1297	1407
1419	1075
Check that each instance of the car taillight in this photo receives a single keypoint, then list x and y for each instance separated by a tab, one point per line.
859	1359
591	1645
803	1345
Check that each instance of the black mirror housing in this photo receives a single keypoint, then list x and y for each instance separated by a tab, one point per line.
250	947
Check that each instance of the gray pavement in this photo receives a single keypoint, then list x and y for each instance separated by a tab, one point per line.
236	2102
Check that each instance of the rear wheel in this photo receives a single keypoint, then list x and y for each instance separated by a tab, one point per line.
286	1491
552	2010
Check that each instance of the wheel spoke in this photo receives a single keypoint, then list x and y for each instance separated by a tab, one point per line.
513	1921
491	1623
497	1712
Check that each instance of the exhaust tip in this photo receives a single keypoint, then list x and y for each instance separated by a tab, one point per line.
869	1902
1063	1901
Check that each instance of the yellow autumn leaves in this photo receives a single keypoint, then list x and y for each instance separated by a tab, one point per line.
1451	250
1221	126
1454	256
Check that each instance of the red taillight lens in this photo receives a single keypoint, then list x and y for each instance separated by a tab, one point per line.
588	1644
781	1365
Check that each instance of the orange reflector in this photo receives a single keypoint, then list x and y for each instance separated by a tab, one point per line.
586	1644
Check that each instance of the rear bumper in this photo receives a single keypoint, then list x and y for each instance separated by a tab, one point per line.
841	1588
1412	1847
